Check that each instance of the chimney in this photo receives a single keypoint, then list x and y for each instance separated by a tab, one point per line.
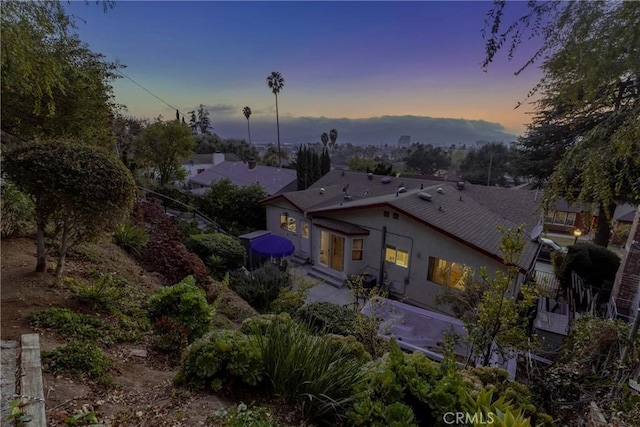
252	163
218	158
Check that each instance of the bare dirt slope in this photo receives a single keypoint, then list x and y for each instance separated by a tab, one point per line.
143	394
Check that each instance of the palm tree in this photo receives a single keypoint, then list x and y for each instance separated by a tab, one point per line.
325	139
247	113
275	81
333	136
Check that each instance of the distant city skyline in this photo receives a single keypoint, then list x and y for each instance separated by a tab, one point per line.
368	67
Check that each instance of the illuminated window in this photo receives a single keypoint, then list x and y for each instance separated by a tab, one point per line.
357	247
396	256
288	223
447	273
305	229
571	219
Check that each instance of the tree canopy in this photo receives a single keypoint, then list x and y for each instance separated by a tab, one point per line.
587	111
427	158
491	164
162	145
79	189
53	85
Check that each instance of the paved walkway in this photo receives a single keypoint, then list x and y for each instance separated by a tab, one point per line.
322	291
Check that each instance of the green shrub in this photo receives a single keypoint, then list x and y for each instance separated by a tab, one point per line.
243	416
261	322
228	248
221	360
17	211
410	380
77	357
104	292
596	265
329	318
131	238
68	323
260	287
309	369
291	298
179	311
350	346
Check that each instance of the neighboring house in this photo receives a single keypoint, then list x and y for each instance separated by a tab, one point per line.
274	180
199	163
626	287
565	218
357	223
622	220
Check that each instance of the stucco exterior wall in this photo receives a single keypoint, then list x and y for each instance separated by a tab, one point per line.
420	241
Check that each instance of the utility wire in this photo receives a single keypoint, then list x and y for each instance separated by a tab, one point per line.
151	93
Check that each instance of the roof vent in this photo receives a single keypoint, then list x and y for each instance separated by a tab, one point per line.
440	190
370	175
460	185
385	180
347	197
425	196
321	191
402	190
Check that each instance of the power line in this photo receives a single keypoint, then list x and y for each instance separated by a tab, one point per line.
151	93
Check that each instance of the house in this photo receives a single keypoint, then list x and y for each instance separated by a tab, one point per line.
622	220
199	163
566	217
274	180
412	235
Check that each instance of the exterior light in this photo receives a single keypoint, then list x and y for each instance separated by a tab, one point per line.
577	233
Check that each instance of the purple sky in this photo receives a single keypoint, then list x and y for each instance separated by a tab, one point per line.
340	60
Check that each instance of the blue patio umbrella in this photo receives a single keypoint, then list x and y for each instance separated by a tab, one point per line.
272	246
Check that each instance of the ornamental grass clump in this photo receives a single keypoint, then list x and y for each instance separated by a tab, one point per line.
308	369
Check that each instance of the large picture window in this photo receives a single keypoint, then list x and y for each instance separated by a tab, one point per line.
396	256
447	273
288	223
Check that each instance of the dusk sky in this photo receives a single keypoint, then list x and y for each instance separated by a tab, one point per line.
340	61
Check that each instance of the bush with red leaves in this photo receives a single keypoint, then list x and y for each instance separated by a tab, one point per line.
165	253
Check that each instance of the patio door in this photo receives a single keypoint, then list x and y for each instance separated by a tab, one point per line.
332	250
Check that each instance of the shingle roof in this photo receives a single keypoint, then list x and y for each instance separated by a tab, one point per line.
271	178
471	215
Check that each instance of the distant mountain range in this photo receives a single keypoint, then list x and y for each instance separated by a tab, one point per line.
374	130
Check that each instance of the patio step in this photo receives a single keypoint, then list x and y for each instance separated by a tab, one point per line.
326	278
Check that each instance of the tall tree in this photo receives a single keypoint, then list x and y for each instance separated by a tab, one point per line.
490	165
325	162
275	82
193	122
53	85
427	158
204	123
85	192
247	113
587	109
325	139
333	137
161	146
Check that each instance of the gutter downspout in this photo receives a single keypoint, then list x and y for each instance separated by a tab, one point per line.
382	255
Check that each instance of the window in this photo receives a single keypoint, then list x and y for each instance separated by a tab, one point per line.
305	229
288	223
560	218
385	214
357	247
201	170
571	219
447	273
396	256
395	215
